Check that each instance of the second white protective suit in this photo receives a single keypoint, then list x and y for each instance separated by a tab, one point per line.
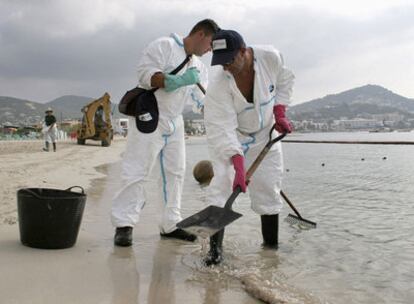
165	145
235	126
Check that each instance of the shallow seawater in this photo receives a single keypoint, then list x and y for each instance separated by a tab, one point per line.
361	197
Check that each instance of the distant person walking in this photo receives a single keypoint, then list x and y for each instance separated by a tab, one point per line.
49	130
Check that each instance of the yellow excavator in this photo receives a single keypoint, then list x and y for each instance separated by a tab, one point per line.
96	122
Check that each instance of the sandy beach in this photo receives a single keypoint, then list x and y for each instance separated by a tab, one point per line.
93	271
24	164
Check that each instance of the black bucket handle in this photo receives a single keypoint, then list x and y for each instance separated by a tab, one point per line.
31	192
69	189
40	197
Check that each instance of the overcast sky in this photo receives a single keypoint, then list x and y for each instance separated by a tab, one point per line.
50	48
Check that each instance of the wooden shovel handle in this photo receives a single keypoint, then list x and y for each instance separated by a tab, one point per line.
263	153
254	166
256	163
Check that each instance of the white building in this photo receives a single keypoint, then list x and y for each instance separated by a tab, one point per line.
120	126
358	123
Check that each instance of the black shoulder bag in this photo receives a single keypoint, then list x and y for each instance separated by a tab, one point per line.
127	105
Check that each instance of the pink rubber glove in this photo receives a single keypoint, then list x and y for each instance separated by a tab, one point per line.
240	175
283	125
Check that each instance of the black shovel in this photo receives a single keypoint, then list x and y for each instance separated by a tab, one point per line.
212	219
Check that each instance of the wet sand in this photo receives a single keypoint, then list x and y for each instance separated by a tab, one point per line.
94	271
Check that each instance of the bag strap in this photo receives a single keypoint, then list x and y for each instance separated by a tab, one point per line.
182	64
177	69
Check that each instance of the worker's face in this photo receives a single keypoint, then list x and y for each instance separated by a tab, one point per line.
203	44
236	66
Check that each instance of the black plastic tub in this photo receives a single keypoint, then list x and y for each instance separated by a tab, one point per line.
50	218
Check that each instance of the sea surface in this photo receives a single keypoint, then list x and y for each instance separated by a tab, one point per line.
362	198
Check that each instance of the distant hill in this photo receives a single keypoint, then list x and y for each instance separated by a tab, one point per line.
20	112
358	102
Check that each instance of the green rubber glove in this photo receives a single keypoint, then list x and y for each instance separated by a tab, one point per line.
173	82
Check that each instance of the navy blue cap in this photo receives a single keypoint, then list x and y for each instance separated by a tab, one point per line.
226	44
146	112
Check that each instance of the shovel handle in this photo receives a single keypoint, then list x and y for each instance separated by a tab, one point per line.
232	198
263	153
254	166
256	163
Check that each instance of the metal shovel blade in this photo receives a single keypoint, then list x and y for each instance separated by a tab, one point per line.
212	219
208	221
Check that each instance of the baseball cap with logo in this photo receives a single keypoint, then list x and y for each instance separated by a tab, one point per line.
146	112
226	44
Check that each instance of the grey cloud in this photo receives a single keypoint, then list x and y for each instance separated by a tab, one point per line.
308	39
90	61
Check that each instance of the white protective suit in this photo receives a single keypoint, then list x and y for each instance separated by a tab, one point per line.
49	133
165	145
235	126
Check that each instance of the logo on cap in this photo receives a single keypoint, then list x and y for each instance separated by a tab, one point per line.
226	44
219	44
145	117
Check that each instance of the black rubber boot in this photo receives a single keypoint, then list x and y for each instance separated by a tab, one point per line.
54	147
123	236
215	255
180	235
270	230
46	148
